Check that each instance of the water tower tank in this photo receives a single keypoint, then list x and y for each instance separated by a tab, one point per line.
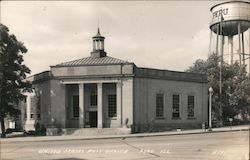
233	15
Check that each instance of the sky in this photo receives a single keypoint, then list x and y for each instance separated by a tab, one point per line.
154	34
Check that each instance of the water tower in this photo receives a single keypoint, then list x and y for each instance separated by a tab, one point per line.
230	23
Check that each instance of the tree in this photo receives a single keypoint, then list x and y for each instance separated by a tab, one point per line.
12	81
233	99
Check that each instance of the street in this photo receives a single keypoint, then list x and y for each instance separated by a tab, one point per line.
210	146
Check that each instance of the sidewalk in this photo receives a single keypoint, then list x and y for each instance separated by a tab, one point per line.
169	133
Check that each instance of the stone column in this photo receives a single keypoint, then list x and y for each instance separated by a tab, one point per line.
99	106
119	103
81	105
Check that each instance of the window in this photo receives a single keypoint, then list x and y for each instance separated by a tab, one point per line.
38	116
25	112
31	116
190	106
176	106
38	103
25	99
159	105
93	100
75	102
112	105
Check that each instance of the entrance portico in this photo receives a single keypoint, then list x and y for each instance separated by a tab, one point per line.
99	103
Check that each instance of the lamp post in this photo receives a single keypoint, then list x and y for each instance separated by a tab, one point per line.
210	108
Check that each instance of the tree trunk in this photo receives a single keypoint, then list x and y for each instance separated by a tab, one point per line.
2	128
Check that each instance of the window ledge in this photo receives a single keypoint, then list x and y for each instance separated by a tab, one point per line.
113	118
160	118
74	118
176	118
191	118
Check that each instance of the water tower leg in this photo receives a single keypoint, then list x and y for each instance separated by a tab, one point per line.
230	43
239	51
217	39
243	50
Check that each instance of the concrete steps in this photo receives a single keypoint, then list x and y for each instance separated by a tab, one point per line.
88	131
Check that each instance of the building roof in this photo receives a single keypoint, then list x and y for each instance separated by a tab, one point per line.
170	75
39	77
92	61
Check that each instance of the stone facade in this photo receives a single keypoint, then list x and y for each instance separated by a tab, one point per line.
103	92
150	82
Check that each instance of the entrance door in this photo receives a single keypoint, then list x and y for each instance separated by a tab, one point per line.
93	119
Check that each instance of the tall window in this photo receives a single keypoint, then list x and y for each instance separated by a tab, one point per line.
176	106
38	107
25	99
159	105
38	103
112	106
38	116
190	106
93	100
25	111
75	102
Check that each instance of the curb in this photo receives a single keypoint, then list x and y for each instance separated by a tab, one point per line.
120	136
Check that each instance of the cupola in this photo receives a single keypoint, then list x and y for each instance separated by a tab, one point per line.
98	46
